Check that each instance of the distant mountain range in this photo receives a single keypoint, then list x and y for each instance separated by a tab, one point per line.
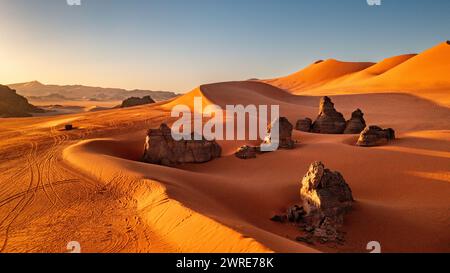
35	90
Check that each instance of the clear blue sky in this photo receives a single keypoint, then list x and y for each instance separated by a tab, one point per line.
179	44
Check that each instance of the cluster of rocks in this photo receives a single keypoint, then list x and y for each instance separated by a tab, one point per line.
160	148
330	121
135	101
326	198
375	136
285	139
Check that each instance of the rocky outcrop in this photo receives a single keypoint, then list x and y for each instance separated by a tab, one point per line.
304	125
356	124
325	193
326	198
247	152
375	136
160	148
14	105
329	120
285	133
135	101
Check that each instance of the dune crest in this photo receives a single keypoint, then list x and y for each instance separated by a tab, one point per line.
424	75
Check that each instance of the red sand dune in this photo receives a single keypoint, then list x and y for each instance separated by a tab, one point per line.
87	185
318	73
424	75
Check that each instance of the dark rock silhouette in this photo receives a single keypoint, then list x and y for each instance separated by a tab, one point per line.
135	101
160	148
304	125
329	120
356	124
14	105
375	136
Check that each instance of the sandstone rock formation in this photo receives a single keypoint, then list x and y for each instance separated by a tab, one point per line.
375	136
329	120
356	124
14	105
326	198
160	148
325	194
246	152
304	125
285	133
135	101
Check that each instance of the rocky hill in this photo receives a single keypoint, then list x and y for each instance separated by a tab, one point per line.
14	105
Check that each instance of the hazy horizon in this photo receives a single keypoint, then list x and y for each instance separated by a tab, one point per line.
178	45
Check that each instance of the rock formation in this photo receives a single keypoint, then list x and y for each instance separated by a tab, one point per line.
161	148
329	120
356	124
135	101
304	125
247	152
326	198
14	105
325	194
285	133
375	136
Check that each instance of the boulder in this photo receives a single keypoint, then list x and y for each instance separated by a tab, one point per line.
356	124
375	136
285	133
325	194
304	125
135	101
246	152
329	120
160	148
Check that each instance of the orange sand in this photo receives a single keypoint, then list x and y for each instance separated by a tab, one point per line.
424	75
87	185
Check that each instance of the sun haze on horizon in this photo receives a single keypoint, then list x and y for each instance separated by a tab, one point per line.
177	45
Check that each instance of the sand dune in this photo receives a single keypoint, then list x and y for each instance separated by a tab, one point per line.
87	184
318	73
423	75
